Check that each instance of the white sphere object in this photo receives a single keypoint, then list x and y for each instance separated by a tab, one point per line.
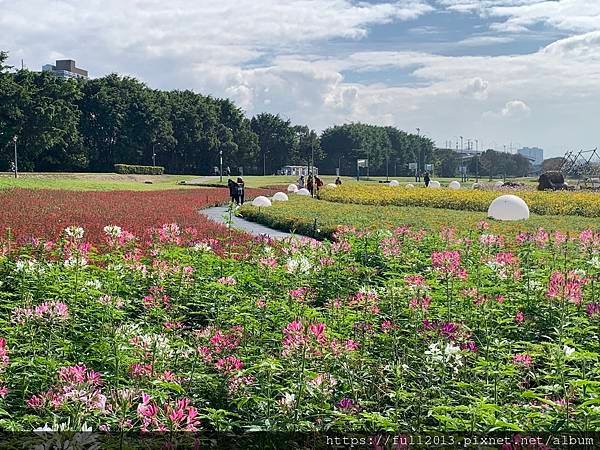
409	185
499	184
475	186
394	183
435	184
454	185
303	191
261	201
280	197
331	186
508	207
292	188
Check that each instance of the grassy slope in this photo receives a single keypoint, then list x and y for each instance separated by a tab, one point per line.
91	181
299	215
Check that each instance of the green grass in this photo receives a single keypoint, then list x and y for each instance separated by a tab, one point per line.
92	181
299	215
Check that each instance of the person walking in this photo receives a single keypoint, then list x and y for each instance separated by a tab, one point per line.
310	185
241	190
338	182
426	179
300	182
233	190
318	184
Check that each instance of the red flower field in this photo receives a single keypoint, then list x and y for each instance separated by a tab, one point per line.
45	214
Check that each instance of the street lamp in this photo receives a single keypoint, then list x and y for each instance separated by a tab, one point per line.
16	164
153	155
220	165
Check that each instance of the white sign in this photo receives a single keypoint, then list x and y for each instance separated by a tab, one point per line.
428	167
412	166
362	163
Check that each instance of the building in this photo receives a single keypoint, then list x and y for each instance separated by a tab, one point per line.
65	68
297	170
533	154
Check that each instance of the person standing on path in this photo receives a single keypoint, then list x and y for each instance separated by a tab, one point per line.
233	190
426	179
318	184
241	190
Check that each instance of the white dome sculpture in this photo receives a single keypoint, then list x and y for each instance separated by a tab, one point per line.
331	186
508	207
454	185
280	197
292	188
435	184
261	201
476	186
409	185
394	183
303	191
499	184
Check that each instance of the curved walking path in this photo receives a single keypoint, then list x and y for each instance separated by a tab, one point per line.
218	213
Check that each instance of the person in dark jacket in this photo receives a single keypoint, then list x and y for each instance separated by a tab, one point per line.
241	190
310	185
233	190
338	181
426	179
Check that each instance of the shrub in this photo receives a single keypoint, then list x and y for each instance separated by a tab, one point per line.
128	169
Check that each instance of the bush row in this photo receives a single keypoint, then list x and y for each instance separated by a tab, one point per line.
128	169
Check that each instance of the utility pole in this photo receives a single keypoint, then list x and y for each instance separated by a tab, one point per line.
387	165
153	156
16	162
477	161
418	156
220	165
461	143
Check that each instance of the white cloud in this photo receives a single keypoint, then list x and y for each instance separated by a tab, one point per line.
476	88
515	108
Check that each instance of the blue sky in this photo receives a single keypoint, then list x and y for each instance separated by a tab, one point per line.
520	72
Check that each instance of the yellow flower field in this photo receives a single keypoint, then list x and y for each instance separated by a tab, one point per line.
586	204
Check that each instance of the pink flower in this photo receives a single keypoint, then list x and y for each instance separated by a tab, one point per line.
261	304
569	287
351	345
520	317
386	326
229	365
522	359
593	309
156	298
269	262
4	359
227	281
415	281
299	294
448	263
3	391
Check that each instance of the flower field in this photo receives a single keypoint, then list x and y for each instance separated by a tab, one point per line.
408	330
44	214
320	218
586	204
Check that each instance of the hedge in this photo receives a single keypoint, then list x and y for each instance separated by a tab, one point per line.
139	170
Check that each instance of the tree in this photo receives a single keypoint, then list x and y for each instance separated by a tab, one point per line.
276	139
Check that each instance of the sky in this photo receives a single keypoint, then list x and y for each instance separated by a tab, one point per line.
507	73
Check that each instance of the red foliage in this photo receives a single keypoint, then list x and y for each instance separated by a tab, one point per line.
45	214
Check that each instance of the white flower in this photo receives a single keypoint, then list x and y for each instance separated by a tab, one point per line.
595	262
74	232
579	272
113	231
202	247
74	261
94	284
287	401
434	353
568	350
300	264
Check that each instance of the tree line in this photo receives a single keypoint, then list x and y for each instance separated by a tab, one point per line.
90	125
